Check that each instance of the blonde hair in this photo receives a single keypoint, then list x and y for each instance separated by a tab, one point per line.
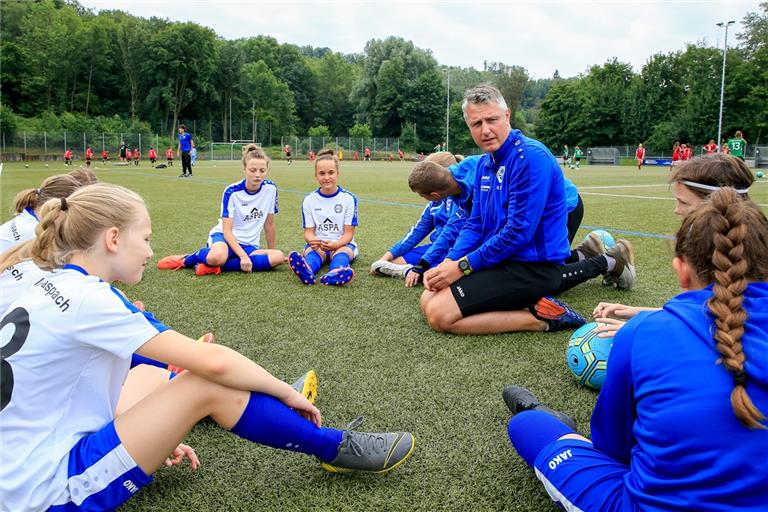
725	239
327	154
251	151
69	225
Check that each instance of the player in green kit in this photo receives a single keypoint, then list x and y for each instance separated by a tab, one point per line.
565	155
738	145
576	158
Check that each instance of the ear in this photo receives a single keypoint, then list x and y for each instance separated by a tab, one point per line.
111	239
435	196
683	271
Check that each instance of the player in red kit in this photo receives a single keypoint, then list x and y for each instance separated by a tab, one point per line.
367	154
88	155
687	152
68	157
677	154
400	154
104	156
169	156
711	147
152	156
311	156
136	156
640	156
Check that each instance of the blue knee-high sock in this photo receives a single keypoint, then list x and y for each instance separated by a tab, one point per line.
231	265
531	431
268	421
196	257
136	360
314	261
339	260
260	262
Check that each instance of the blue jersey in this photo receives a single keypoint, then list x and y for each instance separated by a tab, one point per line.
571	195
518	208
443	219
185	141
665	409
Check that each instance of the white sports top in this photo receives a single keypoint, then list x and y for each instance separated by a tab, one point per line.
248	210
329	214
19	229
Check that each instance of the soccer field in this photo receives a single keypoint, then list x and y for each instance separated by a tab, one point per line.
374	354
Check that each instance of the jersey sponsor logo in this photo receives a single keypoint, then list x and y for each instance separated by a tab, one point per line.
132	487
560	457
15	231
337	208
254	215
328	225
54	294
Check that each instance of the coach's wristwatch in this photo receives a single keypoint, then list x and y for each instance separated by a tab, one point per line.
464	266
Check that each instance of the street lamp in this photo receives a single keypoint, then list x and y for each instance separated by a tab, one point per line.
722	85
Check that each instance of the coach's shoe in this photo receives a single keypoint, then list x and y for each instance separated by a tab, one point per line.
174	262
338	277
201	269
306	385
592	246
623	274
557	315
301	268
370	452
205	338
519	399
387	268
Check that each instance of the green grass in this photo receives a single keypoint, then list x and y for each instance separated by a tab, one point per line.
374	353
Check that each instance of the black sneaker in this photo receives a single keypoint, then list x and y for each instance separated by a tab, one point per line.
370	452
519	399
558	315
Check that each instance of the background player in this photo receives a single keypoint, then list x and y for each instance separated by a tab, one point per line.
88	155
287	151
577	154
711	147
104	156
329	219
640	156
247	207
737	146
152	156
68	157
183	150
123	152
136	156
169	156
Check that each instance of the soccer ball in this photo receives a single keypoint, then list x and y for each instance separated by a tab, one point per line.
608	241
26	165
587	356
760	174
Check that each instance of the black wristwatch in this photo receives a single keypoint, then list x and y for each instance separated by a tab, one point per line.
464	266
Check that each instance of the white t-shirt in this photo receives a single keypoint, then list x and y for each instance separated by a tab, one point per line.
69	355
248	210
14	280
19	229
329	214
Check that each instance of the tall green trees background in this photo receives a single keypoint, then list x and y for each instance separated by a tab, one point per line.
66	67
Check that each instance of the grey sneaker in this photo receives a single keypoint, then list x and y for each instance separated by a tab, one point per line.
371	453
387	268
591	246
306	385
519	399
624	273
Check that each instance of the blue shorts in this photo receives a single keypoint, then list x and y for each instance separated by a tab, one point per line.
353	247
579	477
102	474
413	256
219	237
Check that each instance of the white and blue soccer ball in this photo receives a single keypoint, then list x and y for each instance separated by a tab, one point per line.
587	356
608	241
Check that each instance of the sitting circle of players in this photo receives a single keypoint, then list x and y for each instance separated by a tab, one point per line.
486	269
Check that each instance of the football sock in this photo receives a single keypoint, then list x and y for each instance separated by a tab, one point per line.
231	265
532	431
580	272
314	261
268	421
340	260
260	262
196	257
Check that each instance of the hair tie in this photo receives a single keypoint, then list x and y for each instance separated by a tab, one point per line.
64	206
740	377
38	191
711	188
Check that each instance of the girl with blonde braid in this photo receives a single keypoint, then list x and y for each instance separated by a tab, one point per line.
680	422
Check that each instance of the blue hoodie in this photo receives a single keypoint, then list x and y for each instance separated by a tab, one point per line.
518	208
665	409
444	218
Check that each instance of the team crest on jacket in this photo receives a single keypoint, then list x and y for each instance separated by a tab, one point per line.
500	173
337	208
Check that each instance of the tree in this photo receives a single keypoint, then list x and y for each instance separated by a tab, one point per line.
423	104
319	131
604	103
272	99
335	78
360	131
562	119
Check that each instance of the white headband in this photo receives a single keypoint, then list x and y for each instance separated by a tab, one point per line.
701	186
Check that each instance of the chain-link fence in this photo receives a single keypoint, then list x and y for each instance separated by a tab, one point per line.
52	145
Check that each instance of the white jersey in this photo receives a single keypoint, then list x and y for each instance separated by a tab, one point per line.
329	214
64	363
19	229
248	210
14	280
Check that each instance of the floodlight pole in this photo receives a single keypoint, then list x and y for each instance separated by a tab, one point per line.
447	108
722	86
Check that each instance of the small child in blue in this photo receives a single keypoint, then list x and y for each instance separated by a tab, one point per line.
679	423
329	219
247	207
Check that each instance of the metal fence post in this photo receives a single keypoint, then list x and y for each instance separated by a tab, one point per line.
65	140
45	143
25	146
139	142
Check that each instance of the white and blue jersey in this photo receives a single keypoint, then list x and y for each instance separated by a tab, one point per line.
443	219
329	214
15	279
518	208
18	230
665	409
64	365
248	211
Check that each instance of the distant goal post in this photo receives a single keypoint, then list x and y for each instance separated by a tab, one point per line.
232	150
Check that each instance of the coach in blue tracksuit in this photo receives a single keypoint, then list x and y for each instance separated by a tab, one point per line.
184	150
508	253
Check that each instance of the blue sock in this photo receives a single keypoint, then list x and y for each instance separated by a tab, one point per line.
196	257
268	421
260	262
339	260
314	261
531	432
232	265
136	360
